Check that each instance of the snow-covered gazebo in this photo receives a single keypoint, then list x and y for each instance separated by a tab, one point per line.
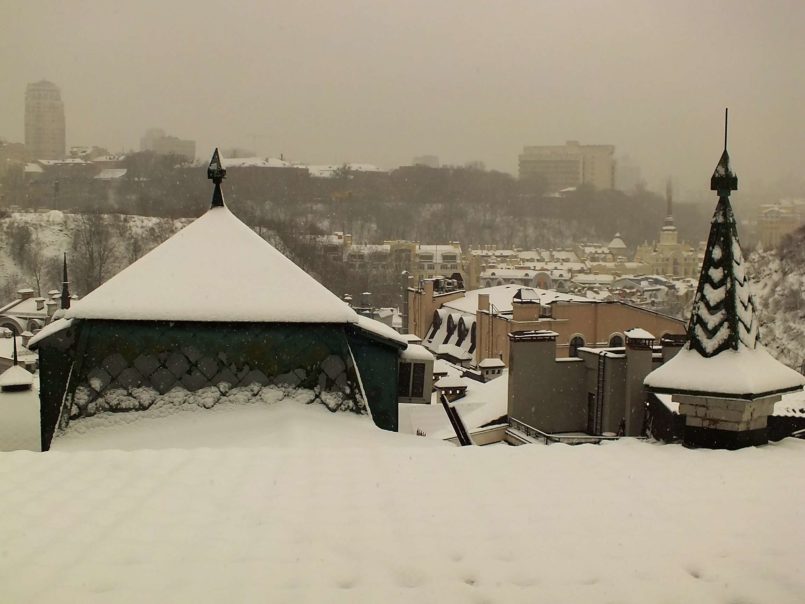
724	380
213	304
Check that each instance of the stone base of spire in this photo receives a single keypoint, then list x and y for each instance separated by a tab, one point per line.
725	423
707	438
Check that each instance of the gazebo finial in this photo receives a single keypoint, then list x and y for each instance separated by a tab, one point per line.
65	286
216	173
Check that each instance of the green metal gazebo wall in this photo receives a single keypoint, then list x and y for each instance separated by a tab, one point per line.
72	358
379	367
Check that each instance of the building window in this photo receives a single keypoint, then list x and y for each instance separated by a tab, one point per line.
576	342
412	380
616	340
404	383
418	380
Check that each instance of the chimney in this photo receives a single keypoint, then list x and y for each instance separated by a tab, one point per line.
427	285
639	352
26	336
51	305
525	310
25	293
671	344
40	303
483	302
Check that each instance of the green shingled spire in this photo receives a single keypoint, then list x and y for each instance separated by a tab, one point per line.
723	316
216	173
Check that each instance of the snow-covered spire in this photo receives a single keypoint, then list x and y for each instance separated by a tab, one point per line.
723	315
65	286
724	356
216	173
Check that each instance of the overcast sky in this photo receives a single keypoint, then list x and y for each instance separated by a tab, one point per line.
381	82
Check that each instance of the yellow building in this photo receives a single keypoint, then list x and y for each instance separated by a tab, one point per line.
777	220
668	256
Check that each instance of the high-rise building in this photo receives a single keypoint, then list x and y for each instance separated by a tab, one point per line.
157	141
44	121
569	165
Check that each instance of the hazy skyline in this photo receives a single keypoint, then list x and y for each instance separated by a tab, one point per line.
382	82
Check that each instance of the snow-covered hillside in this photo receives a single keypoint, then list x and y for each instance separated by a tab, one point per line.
779	289
32	245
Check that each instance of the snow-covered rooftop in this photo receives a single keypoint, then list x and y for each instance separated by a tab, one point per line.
255	162
501	296
328	171
617	243
730	373
380	329
16	376
111	174
23	353
416	352
215	269
280	503
450	381
49	329
638	333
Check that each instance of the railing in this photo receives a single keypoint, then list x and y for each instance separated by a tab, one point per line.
569	439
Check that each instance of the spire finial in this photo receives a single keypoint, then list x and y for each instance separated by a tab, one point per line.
65	286
723	180
216	173
669	198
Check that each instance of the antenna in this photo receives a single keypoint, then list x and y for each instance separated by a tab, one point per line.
726	117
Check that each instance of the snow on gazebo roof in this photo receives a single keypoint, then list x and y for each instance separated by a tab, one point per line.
723	355
215	269
16	376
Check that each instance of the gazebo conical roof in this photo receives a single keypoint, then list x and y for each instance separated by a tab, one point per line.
723	355
215	269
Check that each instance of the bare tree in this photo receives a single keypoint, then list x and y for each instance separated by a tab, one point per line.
93	250
34	261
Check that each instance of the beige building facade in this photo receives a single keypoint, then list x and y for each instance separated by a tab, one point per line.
468	327
569	165
599	392
775	221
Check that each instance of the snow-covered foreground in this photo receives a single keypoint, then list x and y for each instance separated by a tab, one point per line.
340	512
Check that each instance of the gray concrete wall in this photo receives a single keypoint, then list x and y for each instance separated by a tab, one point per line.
639	365
543	392
614	394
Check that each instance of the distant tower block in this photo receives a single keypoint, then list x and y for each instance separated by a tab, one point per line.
724	380
44	121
